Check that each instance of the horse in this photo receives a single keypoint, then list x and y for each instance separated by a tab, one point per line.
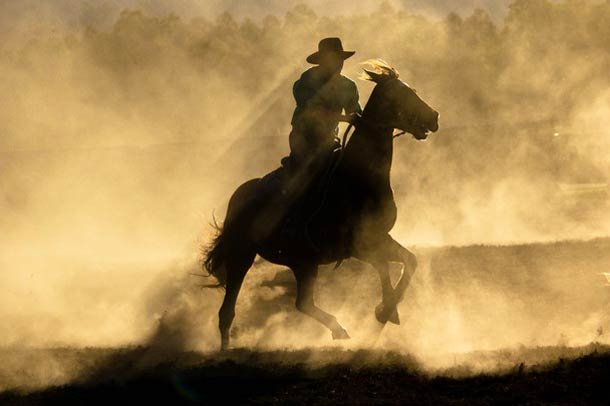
354	217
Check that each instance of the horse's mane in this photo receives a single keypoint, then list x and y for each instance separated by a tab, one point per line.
381	70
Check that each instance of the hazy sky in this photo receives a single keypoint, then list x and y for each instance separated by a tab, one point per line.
103	13
71	10
432	7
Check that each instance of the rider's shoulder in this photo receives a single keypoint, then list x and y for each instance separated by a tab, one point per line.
310	73
347	82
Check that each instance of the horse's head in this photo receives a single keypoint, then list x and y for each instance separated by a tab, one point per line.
394	104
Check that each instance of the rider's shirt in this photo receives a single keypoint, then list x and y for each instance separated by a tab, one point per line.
319	102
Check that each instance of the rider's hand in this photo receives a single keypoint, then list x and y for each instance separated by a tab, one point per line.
354	118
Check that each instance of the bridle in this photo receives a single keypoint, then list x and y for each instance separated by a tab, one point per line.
350	126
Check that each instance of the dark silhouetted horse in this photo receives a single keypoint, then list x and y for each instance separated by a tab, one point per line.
352	217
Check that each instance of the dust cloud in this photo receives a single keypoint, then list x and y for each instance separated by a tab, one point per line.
123	131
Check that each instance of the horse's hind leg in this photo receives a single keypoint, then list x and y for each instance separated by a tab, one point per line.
306	279
237	267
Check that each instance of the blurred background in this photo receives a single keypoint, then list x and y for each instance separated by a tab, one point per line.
125	125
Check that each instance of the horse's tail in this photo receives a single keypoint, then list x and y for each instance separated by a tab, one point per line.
215	255
229	239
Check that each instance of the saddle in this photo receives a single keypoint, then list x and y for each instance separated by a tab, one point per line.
297	191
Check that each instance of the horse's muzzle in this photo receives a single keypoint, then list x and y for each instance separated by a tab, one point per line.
434	123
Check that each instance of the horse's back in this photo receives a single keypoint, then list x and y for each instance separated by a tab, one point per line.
241	201
256	191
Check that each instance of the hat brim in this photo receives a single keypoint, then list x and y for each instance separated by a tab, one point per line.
317	56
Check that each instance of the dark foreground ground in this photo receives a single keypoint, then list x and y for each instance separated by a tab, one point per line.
330	376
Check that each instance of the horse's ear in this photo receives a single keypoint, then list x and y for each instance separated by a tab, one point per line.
372	76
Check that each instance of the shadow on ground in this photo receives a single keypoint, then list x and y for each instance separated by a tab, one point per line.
330	376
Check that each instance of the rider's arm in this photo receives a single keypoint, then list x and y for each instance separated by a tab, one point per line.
302	92
352	104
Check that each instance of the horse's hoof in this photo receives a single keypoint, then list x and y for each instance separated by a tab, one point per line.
380	314
383	315
394	319
224	344
340	334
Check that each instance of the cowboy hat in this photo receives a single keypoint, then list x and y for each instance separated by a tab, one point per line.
329	46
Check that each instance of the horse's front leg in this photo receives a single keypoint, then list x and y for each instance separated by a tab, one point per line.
391	251
409	265
386	310
306	279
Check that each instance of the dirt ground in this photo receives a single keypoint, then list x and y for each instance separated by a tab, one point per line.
327	376
507	324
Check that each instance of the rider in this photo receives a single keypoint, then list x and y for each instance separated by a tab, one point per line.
321	94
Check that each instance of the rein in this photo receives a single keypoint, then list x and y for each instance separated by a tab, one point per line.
329	175
349	128
344	137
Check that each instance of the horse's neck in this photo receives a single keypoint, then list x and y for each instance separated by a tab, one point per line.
368	155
